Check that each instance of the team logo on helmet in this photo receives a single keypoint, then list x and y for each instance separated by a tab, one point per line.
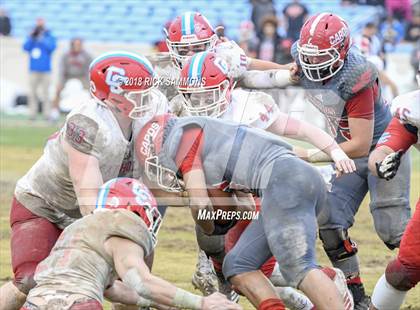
115	78
339	36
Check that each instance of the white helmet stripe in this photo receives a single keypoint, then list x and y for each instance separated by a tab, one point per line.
188	21
197	65
103	193
316	22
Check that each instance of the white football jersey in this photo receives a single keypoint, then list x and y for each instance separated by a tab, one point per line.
256	109
407	109
91	128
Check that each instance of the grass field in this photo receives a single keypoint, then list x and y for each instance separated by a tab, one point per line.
20	146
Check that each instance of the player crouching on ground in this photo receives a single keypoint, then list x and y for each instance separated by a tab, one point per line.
113	242
197	153
403	273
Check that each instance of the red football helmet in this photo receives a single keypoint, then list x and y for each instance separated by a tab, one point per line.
124	81
148	145
205	85
132	195
189	32
323	45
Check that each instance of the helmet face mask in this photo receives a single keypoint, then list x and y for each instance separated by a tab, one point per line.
143	105
165	178
209	101
319	65
181	51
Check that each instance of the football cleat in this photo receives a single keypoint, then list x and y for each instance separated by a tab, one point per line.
204	278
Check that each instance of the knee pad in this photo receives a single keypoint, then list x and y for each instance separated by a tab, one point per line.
400	277
213	246
337	244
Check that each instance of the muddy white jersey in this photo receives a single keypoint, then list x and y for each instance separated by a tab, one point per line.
91	128
79	262
407	109
253	108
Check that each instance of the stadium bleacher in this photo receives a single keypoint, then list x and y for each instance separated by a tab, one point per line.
142	21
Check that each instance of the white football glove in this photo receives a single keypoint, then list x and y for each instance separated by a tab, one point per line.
235	57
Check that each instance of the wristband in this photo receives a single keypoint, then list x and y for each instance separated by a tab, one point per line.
184	299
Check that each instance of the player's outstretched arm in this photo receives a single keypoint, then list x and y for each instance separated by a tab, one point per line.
195	184
121	293
135	273
327	148
86	177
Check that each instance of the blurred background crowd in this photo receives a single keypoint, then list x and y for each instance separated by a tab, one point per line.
54	41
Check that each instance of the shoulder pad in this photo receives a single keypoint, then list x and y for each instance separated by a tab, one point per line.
256	109
406	108
82	133
356	75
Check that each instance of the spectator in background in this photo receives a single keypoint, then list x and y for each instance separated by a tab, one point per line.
271	46
295	15
412	34
260	9
247	39
401	9
369	42
74	64
160	46
392	31
40	45
5	26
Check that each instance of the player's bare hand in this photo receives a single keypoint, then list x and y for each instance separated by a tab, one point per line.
217	301
294	72
345	166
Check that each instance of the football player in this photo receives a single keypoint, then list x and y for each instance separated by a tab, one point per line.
191	33
194	153
344	87
403	273
94	145
206	90
112	243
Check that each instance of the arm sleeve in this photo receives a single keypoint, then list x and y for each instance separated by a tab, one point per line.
188	157
82	133
362	105
398	136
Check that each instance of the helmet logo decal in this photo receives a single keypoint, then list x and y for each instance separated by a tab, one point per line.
115	77
221	64
149	137
339	36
